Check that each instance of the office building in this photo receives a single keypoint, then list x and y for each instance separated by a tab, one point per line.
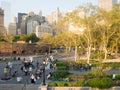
20	17
7	12
33	23
43	29
12	28
55	16
2	29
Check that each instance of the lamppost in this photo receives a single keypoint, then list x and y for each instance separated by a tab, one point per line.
44	63
11	50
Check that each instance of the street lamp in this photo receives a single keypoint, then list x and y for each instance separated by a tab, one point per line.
44	63
11	50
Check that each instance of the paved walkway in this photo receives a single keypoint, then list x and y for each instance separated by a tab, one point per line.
17	66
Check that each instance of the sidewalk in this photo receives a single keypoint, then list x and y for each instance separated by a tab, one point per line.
78	72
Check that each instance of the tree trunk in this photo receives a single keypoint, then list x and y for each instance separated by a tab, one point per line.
75	53
105	50
116	49
88	54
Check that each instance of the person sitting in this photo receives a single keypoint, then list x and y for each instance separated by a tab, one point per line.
19	79
15	74
33	79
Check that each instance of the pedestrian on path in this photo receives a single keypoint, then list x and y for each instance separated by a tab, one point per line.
5	71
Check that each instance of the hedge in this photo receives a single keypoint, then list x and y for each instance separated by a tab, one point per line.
66	84
100	83
59	75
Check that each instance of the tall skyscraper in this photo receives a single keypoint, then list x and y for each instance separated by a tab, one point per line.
2	30
20	15
7	12
55	16
107	4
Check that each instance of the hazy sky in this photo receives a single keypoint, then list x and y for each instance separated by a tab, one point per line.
47	6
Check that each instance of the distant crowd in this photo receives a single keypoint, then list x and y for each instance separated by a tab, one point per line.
29	67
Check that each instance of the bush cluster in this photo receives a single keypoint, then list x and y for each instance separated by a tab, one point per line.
61	72
100	83
59	75
111	64
59	63
66	84
117	76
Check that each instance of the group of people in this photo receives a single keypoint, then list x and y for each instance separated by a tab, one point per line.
80	67
9	72
33	69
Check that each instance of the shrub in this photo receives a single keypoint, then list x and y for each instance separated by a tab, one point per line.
117	76
111	64
100	83
67	84
60	84
62	68
52	84
61	64
60	74
97	72
79	83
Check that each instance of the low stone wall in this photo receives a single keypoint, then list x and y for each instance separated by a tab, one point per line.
69	88
80	88
19	49
18	87
38	87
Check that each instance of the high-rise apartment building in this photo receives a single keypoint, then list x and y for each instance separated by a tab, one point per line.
7	12
12	27
2	29
19	22
20	15
55	16
107	4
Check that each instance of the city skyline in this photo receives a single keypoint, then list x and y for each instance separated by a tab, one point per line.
44	5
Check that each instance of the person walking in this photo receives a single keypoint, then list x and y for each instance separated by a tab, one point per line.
5	71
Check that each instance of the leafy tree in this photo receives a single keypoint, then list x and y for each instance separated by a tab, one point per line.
32	37
2	38
23	37
109	28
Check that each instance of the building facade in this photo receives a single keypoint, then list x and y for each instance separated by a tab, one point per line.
12	28
22	49
2	29
54	17
20	16
29	23
43	29
33	23
7	12
107	4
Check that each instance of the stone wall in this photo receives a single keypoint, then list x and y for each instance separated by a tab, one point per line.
19	49
37	87
18	87
80	88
